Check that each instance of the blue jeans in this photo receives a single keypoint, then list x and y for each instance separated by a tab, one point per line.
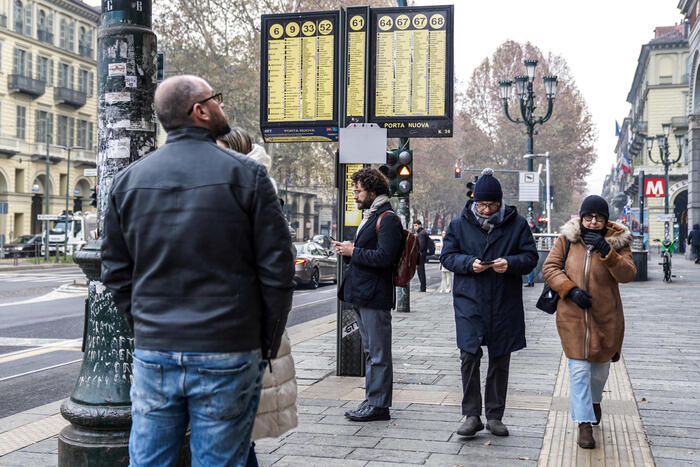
586	381
531	277
217	393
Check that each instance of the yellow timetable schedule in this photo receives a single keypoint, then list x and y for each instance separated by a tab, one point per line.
300	71
411	61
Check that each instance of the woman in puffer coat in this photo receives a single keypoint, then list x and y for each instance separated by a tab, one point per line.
590	320
277	411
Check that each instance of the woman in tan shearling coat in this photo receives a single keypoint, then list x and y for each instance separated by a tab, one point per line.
590	320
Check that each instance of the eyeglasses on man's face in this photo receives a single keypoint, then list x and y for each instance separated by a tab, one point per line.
596	217
493	205
357	192
218	97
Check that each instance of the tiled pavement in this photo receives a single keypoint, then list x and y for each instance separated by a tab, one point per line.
652	395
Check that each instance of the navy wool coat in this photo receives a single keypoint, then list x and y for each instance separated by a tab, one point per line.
489	306
368	281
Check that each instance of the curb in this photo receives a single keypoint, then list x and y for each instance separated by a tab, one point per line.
29	267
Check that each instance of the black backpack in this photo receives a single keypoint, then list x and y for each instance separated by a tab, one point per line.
431	246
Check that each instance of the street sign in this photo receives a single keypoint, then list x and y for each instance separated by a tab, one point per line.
529	186
411	83
654	188
299	71
362	143
48	217
627	210
666	217
90	172
3	208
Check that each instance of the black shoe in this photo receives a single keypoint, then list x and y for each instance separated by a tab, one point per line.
422	290
497	427
470	426
359	407
369	413
598	413
585	436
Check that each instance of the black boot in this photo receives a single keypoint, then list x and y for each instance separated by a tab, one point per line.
585	436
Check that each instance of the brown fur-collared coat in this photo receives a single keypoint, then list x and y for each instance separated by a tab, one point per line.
594	334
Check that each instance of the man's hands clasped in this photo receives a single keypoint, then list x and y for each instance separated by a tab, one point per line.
499	265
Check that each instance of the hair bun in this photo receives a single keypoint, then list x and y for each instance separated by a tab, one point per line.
487	171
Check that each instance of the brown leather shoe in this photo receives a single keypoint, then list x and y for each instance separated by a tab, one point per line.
598	413
585	436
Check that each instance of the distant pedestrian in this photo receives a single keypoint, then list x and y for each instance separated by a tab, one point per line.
531	276
445	274
368	285
590	320
423	241
197	255
488	247
240	141
694	240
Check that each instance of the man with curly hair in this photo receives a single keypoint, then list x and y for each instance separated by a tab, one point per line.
368	285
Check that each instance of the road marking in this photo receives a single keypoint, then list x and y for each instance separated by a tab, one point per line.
312	303
65	291
58	365
71	344
27	342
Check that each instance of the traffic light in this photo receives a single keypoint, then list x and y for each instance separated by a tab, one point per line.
458	172
399	171
93	196
470	187
405	171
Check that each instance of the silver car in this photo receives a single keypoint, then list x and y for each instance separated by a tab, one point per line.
314	264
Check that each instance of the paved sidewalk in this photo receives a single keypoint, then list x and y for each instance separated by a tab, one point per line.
651	405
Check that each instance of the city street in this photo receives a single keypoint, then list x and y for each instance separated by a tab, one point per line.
41	327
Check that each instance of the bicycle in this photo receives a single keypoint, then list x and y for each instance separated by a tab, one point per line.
667	246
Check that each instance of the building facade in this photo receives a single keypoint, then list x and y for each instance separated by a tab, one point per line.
691	11
48	97
658	97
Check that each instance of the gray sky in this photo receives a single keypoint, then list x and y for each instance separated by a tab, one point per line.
600	39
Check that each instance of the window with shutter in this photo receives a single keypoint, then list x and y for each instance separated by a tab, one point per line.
28	19
21	122
50	72
91	84
19	16
62	34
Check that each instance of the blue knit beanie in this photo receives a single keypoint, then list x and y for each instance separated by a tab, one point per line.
487	187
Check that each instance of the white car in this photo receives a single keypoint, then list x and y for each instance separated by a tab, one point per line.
437	239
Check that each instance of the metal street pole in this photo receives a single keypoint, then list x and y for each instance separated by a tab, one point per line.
46	194
65	230
403	294
549	199
99	409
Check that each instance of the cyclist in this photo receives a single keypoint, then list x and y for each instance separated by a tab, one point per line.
590	320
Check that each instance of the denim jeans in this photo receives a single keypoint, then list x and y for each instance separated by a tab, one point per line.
217	393
586	381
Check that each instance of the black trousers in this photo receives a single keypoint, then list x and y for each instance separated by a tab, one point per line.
496	384
421	271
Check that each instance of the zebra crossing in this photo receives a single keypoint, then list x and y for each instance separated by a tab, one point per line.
57	276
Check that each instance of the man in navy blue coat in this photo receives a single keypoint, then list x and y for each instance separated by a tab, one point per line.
489	247
368	285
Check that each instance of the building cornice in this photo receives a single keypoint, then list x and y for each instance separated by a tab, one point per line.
45	45
78	8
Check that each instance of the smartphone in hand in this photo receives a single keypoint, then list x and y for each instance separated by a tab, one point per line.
331	237
487	263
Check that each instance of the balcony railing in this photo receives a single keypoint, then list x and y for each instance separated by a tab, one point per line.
45	36
26	85
85	51
9	145
679	123
69	97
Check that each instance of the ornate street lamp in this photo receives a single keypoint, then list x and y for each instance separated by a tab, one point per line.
664	155
524	92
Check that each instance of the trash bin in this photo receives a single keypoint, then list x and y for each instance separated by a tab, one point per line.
641	259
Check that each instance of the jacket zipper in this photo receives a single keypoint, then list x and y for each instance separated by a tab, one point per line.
586	312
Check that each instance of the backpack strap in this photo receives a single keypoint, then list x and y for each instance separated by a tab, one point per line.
566	254
379	220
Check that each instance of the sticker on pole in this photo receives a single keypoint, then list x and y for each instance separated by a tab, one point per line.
117	69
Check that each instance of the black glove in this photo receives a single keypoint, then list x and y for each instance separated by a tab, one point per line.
598	241
580	298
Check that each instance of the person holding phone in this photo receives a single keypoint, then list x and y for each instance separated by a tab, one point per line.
488	247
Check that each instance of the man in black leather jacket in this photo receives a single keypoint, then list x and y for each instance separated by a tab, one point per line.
368	285
198	257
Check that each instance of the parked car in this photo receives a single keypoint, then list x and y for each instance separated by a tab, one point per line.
323	240
438	248
314	264
24	246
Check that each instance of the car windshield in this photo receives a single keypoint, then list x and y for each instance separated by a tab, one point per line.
59	228
302	248
23	239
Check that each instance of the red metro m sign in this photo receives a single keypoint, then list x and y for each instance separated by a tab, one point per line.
654	188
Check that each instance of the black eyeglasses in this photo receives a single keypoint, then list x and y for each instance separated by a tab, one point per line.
218	97
597	217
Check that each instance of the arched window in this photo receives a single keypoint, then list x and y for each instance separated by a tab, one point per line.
19	16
